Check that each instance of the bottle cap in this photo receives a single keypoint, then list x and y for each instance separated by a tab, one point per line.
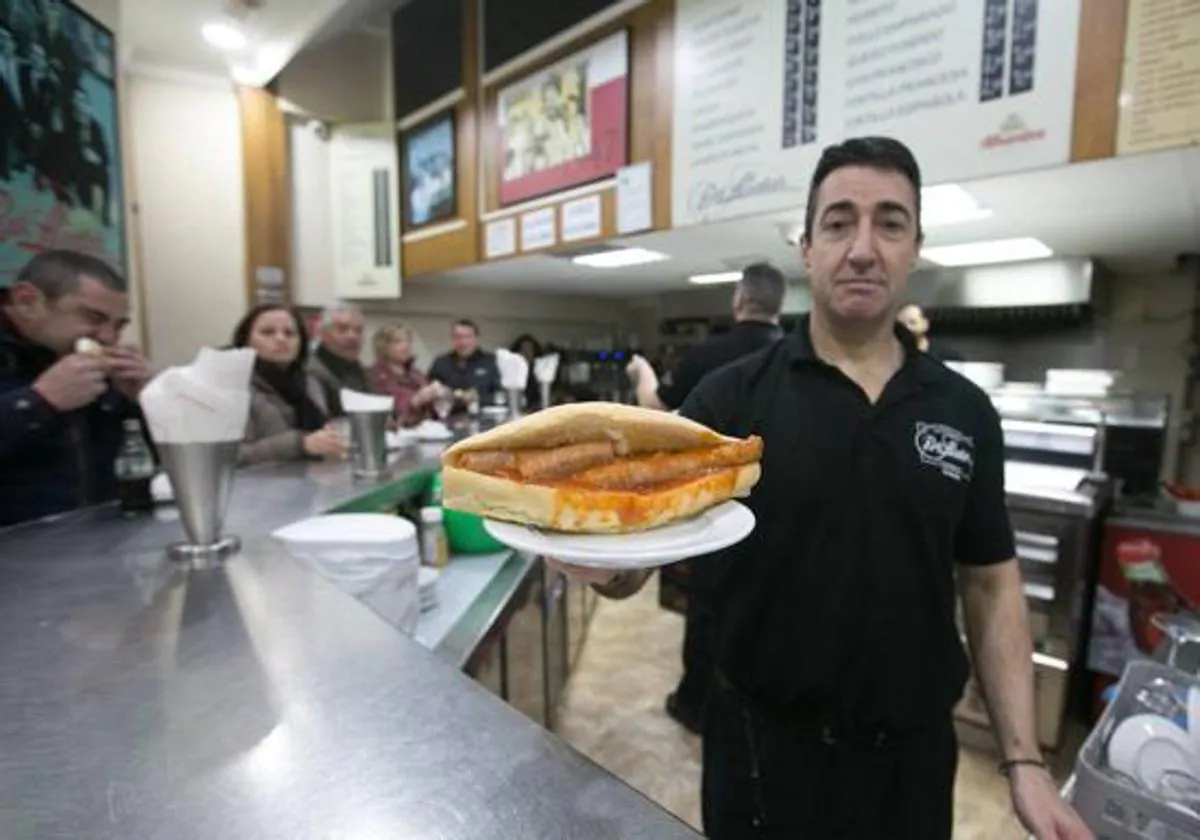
431	515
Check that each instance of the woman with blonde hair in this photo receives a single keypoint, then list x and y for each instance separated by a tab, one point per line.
395	374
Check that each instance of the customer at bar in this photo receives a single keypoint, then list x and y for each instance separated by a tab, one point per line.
468	370
530	348
61	411
757	303
838	660
288	413
396	375
335	363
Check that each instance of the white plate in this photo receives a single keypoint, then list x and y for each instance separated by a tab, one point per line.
400	439
431	430
717	528
1144	747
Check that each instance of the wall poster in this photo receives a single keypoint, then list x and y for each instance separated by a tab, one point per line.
566	124
428	169
60	154
975	87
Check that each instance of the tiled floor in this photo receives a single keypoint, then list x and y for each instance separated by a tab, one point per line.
613	712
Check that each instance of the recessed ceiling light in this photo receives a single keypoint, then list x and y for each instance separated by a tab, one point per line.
949	204
223	35
716	277
618	258
982	253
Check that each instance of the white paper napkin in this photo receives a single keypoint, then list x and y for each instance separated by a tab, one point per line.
514	370
545	368
207	401
356	402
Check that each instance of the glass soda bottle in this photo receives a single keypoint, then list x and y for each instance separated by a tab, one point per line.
134	469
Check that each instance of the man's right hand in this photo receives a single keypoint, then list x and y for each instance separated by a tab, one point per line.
326	443
73	381
583	574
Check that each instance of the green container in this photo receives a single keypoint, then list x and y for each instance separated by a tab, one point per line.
466	534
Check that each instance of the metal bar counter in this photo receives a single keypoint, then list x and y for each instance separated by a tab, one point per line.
256	700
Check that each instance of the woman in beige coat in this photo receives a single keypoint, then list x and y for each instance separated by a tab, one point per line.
288	415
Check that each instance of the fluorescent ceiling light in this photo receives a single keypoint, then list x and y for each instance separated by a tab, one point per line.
949	204
716	277
618	258
982	253
223	35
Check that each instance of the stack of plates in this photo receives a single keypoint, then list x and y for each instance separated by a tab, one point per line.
427	587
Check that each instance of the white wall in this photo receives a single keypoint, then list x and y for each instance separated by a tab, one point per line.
185	164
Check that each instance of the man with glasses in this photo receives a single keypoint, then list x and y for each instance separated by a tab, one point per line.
60	409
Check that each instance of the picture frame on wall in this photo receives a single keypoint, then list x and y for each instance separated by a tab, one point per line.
566	124
428	171
61	182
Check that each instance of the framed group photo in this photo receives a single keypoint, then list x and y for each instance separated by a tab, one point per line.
428	167
566	124
60	153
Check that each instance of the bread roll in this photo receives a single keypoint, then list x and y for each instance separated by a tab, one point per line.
598	468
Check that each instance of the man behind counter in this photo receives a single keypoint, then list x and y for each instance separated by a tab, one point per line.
467	370
913	317
837	657
61	410
757	302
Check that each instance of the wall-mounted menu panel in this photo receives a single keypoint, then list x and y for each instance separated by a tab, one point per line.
1160	96
512	28
427	53
975	87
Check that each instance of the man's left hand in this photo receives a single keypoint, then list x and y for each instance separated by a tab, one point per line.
1041	810
129	370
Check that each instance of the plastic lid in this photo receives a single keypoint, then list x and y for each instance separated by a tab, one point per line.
431	514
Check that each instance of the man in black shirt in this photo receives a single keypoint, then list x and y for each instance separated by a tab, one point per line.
913	317
757	302
838	661
467	370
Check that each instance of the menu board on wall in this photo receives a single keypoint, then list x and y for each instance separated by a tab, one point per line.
1160	94
974	88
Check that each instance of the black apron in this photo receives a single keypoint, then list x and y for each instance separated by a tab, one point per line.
767	775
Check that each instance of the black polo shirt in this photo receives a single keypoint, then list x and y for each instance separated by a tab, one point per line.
840	606
743	339
478	371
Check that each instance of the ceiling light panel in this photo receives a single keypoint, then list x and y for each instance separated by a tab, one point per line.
619	258
985	253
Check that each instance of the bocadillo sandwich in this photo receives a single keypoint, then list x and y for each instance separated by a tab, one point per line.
598	468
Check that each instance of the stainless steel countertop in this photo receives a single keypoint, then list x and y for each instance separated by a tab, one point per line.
256	700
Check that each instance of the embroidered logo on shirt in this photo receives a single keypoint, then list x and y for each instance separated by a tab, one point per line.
945	448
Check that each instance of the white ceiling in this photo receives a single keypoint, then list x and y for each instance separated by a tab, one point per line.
1134	213
166	33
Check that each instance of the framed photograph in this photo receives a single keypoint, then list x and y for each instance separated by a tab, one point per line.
427	171
566	124
60	151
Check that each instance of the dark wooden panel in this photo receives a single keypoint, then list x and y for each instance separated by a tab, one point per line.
427	52
1098	67
511	27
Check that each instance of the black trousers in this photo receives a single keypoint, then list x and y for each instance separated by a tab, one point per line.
770	778
693	688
